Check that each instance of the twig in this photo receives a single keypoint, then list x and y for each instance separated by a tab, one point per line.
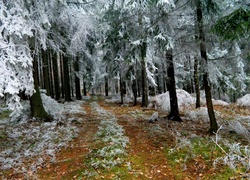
216	141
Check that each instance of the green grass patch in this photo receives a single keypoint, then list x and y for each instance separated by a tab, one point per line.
199	154
4	114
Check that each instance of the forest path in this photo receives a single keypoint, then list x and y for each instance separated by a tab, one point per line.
71	158
145	152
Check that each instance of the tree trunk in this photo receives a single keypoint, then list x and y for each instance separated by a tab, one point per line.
77	80
174	110
56	75
62	75
144	78
45	61
134	89
66	78
197	83
213	123
121	89
84	89
37	109
106	86
51	74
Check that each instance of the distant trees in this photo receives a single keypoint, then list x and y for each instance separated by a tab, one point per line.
34	36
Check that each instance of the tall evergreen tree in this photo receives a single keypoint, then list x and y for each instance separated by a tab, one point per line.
174	110
201	36
77	79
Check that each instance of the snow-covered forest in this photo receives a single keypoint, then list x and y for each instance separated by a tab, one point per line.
180	60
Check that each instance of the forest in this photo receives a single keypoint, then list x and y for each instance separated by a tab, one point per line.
124	89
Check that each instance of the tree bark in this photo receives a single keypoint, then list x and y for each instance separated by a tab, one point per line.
62	75
134	88
144	78
56	75
66	78
121	89
84	89
106	86
51	73
197	83
77	80
37	108
174	110
213	124
46	72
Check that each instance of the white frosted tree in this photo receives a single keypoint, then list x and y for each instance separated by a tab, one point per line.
15	55
28	26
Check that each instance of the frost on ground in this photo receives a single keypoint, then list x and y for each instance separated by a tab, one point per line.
26	144
117	99
200	114
236	155
111	135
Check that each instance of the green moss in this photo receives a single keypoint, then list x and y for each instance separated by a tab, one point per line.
5	114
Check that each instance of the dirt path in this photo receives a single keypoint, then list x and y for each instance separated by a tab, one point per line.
145	159
146	154
69	160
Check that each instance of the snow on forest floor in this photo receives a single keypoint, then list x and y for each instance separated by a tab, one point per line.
104	140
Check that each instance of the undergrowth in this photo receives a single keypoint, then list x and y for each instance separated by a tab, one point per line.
110	154
197	154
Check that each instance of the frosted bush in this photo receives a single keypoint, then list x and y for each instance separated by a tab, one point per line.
198	114
117	99
236	155
240	129
244	101
184	98
162	101
220	103
51	106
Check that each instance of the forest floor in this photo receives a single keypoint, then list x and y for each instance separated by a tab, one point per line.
140	150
